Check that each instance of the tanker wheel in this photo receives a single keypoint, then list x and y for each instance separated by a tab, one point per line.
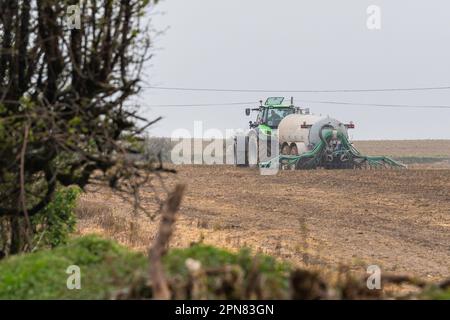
285	150
294	150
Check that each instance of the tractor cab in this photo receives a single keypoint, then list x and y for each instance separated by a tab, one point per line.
270	114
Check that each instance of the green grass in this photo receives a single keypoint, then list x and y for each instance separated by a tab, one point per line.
439	295
275	273
436	294
107	267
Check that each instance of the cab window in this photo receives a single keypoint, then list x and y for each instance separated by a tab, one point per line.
275	115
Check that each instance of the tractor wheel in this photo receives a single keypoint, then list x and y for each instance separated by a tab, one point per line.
235	154
264	150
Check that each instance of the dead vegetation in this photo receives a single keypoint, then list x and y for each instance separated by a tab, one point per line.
161	243
115	221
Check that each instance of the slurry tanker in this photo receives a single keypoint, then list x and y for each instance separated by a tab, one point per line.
293	138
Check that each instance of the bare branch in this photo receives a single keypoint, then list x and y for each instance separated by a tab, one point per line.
157	275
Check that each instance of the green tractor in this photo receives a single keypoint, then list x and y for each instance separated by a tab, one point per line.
257	145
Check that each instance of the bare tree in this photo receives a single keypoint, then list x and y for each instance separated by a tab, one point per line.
63	117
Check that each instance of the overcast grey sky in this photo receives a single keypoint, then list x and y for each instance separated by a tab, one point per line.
296	45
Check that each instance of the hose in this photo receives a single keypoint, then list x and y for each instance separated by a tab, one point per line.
322	155
329	126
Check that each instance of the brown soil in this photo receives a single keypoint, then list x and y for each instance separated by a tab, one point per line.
397	219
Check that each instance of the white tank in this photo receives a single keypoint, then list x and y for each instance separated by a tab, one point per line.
303	130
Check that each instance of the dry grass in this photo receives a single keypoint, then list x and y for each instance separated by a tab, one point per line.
114	220
106	214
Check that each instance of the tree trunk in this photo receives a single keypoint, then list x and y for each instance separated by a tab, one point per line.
16	242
